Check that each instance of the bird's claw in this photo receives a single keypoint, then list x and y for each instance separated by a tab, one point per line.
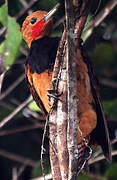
54	82
54	94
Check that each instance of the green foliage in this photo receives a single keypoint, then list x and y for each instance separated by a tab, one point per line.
37	171
111	172
9	48
2	48
4	14
102	50
84	176
33	106
110	107
13	41
57	33
107	57
86	25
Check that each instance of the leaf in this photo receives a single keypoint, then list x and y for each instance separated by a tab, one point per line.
4	14
84	176
2	48
108	57
13	41
86	30
110	107
33	106
37	171
57	33
111	172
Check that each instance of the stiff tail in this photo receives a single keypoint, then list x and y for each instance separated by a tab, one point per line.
85	152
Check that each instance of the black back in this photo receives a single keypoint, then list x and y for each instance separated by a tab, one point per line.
42	54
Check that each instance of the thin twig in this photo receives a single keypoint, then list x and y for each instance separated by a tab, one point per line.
17	110
24	3
97	153
99	158
105	12
20	171
17	158
90	162
100	17
22	129
12	87
2	31
81	19
43	149
23	11
114	141
34	114
60	21
14	173
6	105
1	79
48	177
28	112
108	82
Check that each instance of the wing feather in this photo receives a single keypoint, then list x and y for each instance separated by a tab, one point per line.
100	134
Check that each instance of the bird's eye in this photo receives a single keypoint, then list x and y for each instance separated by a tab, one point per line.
33	20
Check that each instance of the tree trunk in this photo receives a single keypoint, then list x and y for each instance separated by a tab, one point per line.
63	119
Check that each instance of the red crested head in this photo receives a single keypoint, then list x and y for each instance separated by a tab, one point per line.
36	30
37	25
34	27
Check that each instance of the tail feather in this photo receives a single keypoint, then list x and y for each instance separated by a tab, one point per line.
84	152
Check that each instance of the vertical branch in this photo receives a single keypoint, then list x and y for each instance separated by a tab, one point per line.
80	22
64	107
59	163
53	148
72	99
62	119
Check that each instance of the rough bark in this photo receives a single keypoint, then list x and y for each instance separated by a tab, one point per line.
82	9
53	149
64	110
59	161
72	99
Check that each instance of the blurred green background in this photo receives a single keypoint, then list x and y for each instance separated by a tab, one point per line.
17	142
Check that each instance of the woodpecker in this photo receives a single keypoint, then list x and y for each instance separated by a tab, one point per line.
36	30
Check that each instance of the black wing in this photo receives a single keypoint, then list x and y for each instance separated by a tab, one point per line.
100	134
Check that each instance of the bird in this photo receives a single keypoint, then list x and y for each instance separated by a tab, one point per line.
92	126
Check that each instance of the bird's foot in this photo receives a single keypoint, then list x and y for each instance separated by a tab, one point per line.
53	97
54	94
